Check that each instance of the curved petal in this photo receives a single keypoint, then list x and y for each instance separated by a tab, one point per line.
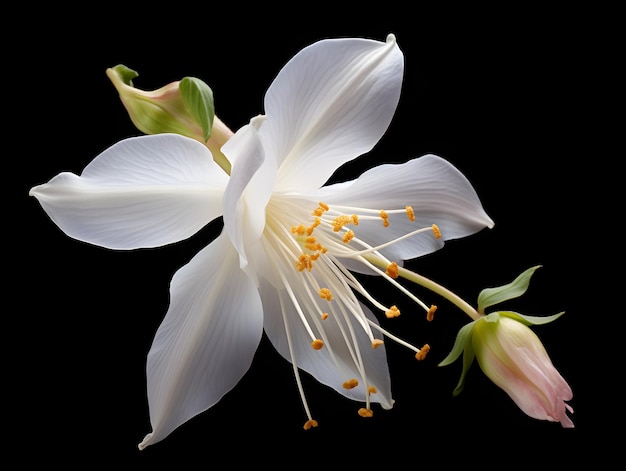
249	187
144	191
438	193
331	103
206	341
319	363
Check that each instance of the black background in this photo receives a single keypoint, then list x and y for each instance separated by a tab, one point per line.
502	94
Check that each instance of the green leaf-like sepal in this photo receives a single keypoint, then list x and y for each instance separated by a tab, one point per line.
491	296
531	320
198	99
468	359
461	341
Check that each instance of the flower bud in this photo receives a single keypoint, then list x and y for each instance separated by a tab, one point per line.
513	357
182	107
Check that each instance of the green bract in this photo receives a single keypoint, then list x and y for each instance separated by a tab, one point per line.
491	296
198	99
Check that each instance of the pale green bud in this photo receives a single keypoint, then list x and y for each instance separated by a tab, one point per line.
183	107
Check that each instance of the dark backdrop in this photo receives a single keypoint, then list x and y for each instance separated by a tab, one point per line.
499	93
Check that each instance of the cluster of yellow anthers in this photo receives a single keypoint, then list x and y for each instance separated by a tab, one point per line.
312	247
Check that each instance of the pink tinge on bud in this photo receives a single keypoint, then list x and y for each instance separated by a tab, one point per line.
513	357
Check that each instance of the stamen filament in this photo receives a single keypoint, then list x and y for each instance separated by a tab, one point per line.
441	291
296	371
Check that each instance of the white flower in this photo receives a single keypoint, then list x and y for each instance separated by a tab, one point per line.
281	264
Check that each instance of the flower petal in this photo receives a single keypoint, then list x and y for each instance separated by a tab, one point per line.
206	341
438	193
249	188
319	363
143	191
331	103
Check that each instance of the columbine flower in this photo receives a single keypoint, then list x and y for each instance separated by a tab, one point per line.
282	263
513	357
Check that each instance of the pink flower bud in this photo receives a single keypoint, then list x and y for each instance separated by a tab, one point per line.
514	358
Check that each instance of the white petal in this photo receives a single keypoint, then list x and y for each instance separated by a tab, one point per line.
206	341
331	103
438	193
249	188
319	362
144	191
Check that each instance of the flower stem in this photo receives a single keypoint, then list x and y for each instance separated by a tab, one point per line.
440	290
220	133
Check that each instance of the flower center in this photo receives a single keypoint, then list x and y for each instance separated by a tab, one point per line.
318	291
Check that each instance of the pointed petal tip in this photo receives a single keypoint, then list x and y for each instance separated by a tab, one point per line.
145	442
391	38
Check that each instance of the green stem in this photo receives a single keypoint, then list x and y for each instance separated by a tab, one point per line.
220	133
440	290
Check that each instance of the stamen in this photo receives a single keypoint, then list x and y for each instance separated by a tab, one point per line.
392	270
363	412
300	230
355	219
392	312
326	294
372	390
348	236
350	384
385	217
377	343
410	213
324	316
430	315
339	222
305	261
422	353
317	344
436	231
310	423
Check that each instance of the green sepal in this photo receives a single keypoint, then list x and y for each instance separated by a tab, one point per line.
468	359
531	320
198	100
125	74
462	340
491	296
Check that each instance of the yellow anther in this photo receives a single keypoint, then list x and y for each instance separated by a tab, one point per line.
326	294
392	312
363	412
348	236
392	270
372	390
315	256
317	212
410	213
431	313
355	219
324	206
339	222
300	230
317	344
324	316
385	217
350	384
422	353
310	423
436	231
305	261
377	343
